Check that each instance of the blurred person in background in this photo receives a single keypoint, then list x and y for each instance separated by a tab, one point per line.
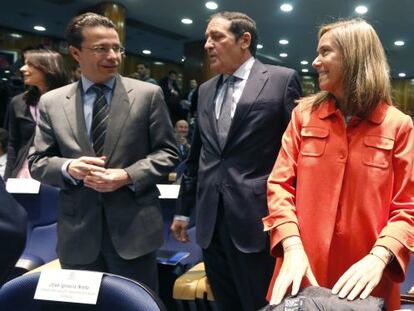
43	70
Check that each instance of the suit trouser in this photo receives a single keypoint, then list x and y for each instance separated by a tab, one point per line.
142	269
239	281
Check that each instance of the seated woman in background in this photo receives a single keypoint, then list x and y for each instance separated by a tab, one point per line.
341	193
43	71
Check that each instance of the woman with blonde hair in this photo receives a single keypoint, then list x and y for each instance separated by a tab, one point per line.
341	193
42	71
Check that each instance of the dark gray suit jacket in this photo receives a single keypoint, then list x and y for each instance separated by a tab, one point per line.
139	139
240	171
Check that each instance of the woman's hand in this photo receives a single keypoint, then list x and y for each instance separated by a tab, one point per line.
295	266
362	277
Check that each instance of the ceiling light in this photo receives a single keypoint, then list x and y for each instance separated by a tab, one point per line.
286	7
304	62
361	9
211	5
283	41
182	59
4	79
15	35
187	21
7	71
146	52
158	63
39	28
402	74
305	70
260	46
399	43
283	55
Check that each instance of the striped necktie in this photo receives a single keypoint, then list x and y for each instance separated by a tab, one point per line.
99	118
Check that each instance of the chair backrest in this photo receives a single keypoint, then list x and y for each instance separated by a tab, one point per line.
116	293
42	210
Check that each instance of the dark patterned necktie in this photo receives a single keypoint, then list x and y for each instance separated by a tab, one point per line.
99	118
224	120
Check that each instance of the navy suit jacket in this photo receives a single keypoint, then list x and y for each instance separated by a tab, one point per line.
240	170
12	232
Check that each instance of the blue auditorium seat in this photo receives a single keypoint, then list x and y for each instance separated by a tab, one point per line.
116	293
42	209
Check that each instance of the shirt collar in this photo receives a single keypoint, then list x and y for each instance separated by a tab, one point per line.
243	71
86	84
377	116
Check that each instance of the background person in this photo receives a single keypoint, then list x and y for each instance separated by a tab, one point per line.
43	70
341	193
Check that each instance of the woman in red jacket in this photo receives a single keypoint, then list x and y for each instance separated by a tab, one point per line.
341	193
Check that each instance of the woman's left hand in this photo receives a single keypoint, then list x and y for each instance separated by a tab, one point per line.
360	279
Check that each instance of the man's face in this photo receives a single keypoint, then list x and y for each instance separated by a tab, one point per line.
142	71
181	127
224	51
193	84
96	64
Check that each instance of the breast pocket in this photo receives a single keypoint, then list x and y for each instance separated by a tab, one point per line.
377	151
313	141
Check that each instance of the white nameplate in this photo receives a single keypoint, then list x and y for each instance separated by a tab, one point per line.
69	286
22	185
168	191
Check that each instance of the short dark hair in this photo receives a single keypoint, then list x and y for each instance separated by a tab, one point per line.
143	64
4	139
73	33
239	24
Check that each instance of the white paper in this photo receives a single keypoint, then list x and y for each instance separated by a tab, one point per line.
168	191
22	185
69	286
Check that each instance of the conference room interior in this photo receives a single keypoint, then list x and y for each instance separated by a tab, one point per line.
169	36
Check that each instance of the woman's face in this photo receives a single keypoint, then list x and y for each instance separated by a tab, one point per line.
33	76
328	64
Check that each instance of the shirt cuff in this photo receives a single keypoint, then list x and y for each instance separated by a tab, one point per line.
66	174
182	218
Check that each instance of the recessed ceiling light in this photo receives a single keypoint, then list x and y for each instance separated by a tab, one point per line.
186	21
304	62
15	35
283	41
7	71
211	5
158	63
286	7
260	46
4	79
399	43
283	55
39	28
146	52
361	9
402	74
183	59
305	70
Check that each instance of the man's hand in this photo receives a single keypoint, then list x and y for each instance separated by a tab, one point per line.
81	167
179	230
108	180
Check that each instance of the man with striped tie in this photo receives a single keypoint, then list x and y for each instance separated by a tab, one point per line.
105	141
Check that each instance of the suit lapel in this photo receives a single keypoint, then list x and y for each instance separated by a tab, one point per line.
76	118
121	102
252	89
211	109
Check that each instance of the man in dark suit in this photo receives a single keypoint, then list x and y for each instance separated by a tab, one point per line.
105	141
242	114
13	224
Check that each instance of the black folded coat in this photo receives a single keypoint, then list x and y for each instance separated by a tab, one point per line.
315	298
